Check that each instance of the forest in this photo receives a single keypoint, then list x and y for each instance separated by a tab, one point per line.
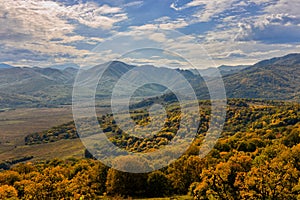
257	157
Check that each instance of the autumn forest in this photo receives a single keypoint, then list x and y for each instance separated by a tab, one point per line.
257	157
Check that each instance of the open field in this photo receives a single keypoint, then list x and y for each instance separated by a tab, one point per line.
16	124
61	149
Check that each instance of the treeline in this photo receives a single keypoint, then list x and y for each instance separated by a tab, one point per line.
64	131
7	164
257	157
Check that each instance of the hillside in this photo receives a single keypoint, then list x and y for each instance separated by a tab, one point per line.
277	78
35	87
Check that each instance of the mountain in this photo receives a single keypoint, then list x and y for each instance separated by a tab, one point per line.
273	79
276	78
223	70
227	70
5	66
134	75
65	66
35	86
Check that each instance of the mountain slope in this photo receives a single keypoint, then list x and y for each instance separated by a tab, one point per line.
34	86
277	78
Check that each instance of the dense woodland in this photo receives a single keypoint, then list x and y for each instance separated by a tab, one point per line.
257	157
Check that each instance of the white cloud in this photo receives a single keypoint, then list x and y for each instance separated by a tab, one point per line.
209	8
274	28
290	7
47	27
158	37
240	37
167	23
90	14
173	5
134	3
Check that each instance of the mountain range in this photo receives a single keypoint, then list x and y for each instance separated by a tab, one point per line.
5	66
223	70
276	78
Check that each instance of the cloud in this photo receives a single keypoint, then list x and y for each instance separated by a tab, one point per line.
208	8
158	37
275	28
290	7
90	14
134	4
174	6
279	22
49	27
168	23
165	23
231	31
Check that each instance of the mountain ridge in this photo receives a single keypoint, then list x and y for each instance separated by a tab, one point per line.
276	78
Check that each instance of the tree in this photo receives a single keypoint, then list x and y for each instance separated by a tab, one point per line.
224	180
183	172
273	180
124	183
158	184
8	192
9	177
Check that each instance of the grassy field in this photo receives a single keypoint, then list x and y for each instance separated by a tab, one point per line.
62	149
16	124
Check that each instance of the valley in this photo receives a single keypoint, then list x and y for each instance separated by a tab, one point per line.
39	142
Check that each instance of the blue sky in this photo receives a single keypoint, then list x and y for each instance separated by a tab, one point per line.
55	32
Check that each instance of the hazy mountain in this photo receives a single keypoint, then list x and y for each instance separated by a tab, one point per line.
223	70
44	86
5	66
115	70
64	66
277	78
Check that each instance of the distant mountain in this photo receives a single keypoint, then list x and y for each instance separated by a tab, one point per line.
117	69
276	78
273	79
5	66
223	70
64	66
36	86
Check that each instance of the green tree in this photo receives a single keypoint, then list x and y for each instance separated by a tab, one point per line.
158	184
124	183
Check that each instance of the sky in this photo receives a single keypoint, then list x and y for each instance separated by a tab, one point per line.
174	33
